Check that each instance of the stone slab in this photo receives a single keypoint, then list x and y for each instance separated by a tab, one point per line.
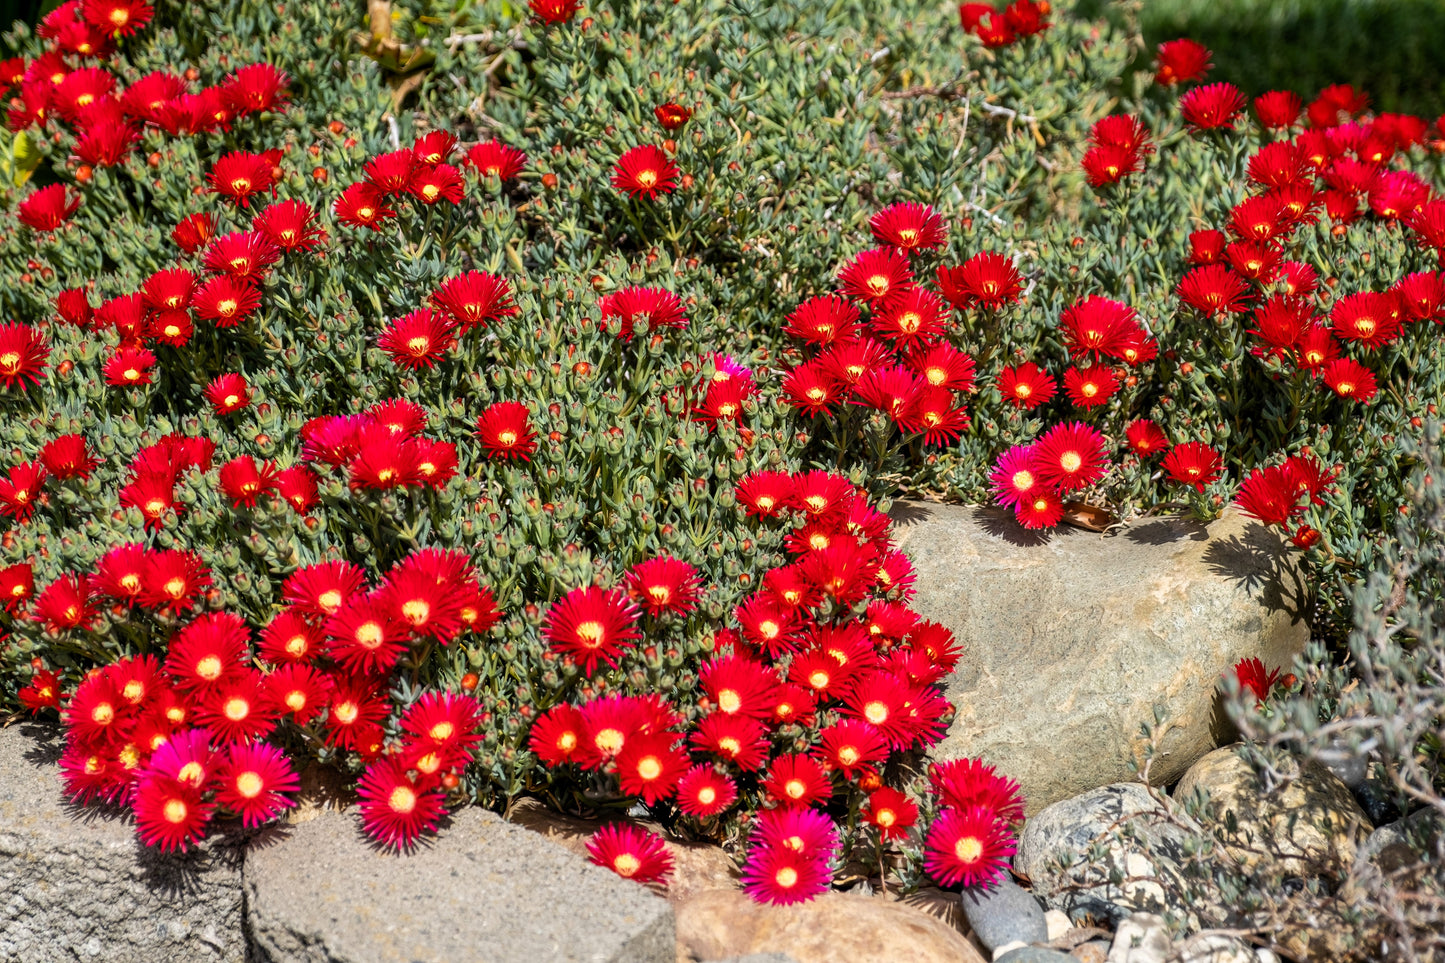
76	884
1071	639
483	891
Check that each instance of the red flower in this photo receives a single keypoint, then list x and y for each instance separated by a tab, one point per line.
655	307
20	489
1212	107
1269	494
354	717
891	812
362	205
988	279
1071	456
823	320
416	340
780	876
944	366
1026	386
1280	323
1179	61
797	781
321	589
392	173
1421	295
1193	463
738	739
297	485
243	255
1097	326
17	585
737	685
384	460
557	734
423	599
240	175
397	807
966	783
969	847
364	637
554	11
1206	247
226	301
153	494
252	780
645	171
475	299
434	147
1278	109
1091	387
1253	677
208	651
766	494
1106	164
703	792
228	394
434	183
295	688
23	355
1336	103
254	88
506	431
650	765
1044	509
290	225
492	158
289	638
1350	379
592	625
930	412
235	708
671	115
610	721
1016	477
1145	437
887	389
875	275
47	208
1369	319
243	481
629	851
116	18
171	580
105	144
663	584
1214	289
851	747
168	813
194	232
910	226
43	692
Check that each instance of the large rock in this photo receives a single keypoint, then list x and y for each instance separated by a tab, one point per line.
485	890
1311	824
1072	640
78	885
833	928
1139	845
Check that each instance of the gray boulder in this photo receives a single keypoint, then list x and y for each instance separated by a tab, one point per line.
1072	640
485	890
77	885
1138	845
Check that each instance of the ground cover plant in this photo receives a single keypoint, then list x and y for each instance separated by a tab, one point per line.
508	400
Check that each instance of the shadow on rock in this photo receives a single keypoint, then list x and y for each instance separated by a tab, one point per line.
1001	523
1166	532
1257	560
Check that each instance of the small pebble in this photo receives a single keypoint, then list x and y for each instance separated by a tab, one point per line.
1094	951
1058	923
